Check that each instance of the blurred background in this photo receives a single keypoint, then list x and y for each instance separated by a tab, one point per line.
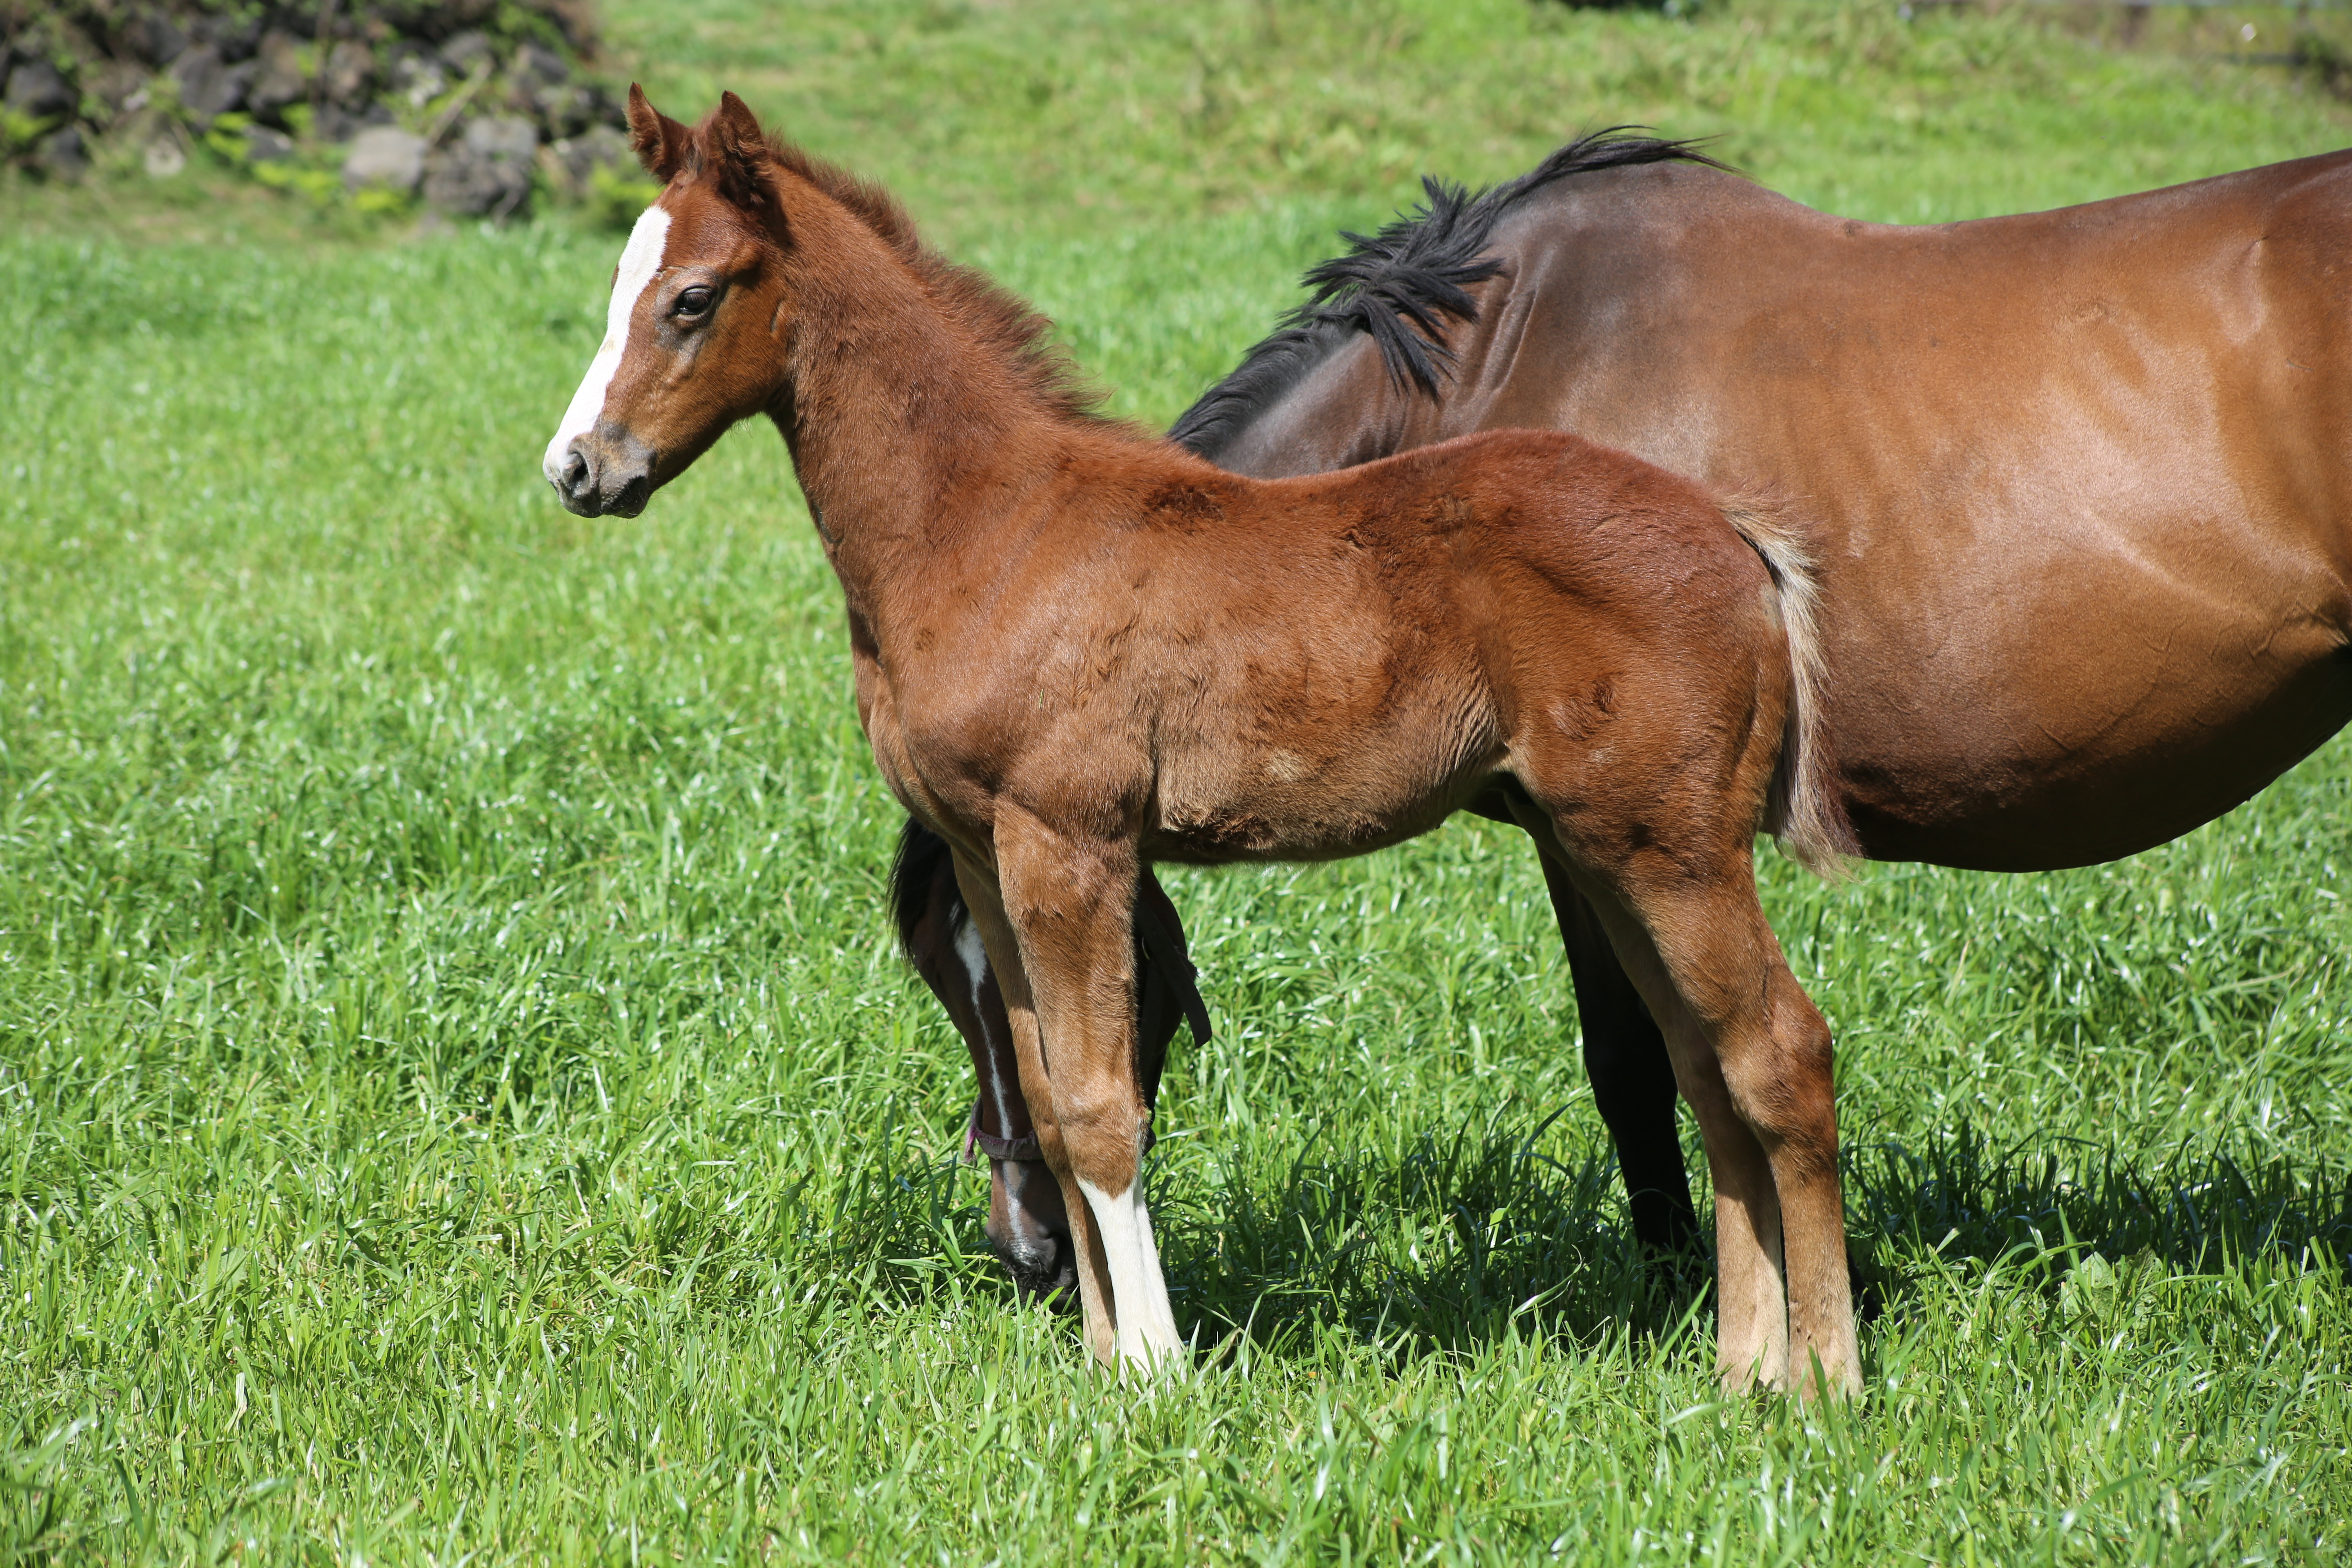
1068	115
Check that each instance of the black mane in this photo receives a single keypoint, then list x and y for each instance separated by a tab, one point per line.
1416	269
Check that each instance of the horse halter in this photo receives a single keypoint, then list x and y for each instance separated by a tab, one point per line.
996	1148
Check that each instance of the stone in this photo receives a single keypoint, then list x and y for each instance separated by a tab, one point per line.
350	75
208	85
153	37
233	31
418	78
501	136
488	174
468	52
385	155
278	82
565	110
63	154
598	147
38	90
163	157
117	82
263	145
540	66
334	124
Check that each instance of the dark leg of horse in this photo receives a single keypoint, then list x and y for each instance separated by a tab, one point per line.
1632	1077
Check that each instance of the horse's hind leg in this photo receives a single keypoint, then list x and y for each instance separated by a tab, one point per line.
1752	1056
1633	1079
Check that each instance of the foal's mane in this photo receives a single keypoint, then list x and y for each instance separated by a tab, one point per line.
999	320
1417	269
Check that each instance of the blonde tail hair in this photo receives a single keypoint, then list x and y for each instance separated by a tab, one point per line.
1803	811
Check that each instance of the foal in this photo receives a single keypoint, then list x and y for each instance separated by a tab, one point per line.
1079	650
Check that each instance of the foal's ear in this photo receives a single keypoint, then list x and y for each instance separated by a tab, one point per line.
660	142
733	148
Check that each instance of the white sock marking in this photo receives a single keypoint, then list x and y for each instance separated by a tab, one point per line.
641	260
1147	1324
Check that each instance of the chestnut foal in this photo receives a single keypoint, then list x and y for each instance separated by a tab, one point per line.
1078	650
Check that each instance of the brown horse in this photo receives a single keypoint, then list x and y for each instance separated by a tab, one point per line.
1078	650
1416	271
2077	480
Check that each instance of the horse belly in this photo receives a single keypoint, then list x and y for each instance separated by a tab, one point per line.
2105	714
2082	546
1346	785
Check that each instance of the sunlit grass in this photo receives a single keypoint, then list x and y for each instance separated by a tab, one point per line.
457	1102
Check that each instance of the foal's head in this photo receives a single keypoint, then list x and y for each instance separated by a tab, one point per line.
698	301
765	282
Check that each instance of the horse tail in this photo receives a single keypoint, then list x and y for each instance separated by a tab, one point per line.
1803	811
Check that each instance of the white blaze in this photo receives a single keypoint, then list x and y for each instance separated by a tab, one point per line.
640	260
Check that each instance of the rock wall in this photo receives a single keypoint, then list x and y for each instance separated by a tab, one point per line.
474	107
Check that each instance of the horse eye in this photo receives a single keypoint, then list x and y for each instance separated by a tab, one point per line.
694	301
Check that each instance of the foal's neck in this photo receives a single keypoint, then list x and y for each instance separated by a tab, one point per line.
912	424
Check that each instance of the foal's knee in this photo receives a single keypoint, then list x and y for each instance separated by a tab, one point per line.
1102	1134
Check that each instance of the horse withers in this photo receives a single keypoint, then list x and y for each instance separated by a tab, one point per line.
1078	650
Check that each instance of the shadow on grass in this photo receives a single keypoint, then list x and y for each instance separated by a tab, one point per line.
1463	1239
1453	1243
2199	1209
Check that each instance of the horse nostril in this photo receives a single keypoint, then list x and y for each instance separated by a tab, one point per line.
576	473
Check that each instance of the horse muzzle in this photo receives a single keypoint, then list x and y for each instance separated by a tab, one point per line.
602	474
1029	1231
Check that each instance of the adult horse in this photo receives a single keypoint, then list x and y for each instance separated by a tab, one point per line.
2076	482
1078	649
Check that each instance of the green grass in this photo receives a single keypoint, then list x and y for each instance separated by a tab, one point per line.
457	1103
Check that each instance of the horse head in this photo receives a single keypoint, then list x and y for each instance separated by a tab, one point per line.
696	312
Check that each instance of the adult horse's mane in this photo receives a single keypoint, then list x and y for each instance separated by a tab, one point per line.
1416	269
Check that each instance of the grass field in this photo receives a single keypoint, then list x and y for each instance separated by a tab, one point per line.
458	1104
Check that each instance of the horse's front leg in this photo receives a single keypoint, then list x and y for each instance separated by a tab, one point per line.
1059	910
